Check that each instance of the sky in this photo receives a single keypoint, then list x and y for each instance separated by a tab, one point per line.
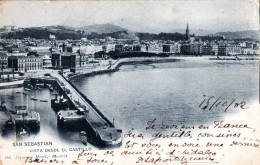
219	15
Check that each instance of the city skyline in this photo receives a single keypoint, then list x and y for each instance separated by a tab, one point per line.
148	16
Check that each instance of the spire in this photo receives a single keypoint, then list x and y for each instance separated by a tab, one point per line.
187	36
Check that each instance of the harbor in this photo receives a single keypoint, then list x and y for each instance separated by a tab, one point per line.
74	110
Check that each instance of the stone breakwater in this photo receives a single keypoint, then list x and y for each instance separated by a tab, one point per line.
115	67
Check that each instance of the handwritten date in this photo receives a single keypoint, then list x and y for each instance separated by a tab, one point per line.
212	103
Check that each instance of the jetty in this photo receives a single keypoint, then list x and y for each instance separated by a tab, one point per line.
76	111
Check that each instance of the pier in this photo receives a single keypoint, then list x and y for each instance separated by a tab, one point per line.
79	111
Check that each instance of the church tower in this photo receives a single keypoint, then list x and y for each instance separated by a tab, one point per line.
187	36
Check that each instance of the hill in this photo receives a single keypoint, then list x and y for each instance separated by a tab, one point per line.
101	28
250	34
60	32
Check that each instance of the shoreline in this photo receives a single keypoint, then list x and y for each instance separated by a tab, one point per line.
149	60
115	67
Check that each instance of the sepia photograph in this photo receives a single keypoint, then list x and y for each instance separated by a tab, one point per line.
129	82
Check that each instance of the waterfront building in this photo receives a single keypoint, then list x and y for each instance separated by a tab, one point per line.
154	48
249	51
206	49
185	49
178	46
170	48
229	49
59	60
195	49
214	49
233	49
69	60
25	63
222	49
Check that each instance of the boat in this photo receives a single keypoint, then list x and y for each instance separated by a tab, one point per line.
43	100
18	92
40	85
83	133
51	89
12	84
34	99
24	93
22	119
84	142
27	89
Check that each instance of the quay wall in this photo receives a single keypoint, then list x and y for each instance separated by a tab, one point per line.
90	103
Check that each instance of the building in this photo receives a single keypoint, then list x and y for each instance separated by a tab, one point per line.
46	61
52	37
25	63
128	48
119	47
229	49
3	60
185	49
154	48
222	50
86	49
139	48
109	47
233	49
59	60
215	49
171	48
9	28
83	60
246	44
68	60
187	35
249	51
18	54
206	49
195	49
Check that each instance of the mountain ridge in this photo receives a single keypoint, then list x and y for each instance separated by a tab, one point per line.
115	30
